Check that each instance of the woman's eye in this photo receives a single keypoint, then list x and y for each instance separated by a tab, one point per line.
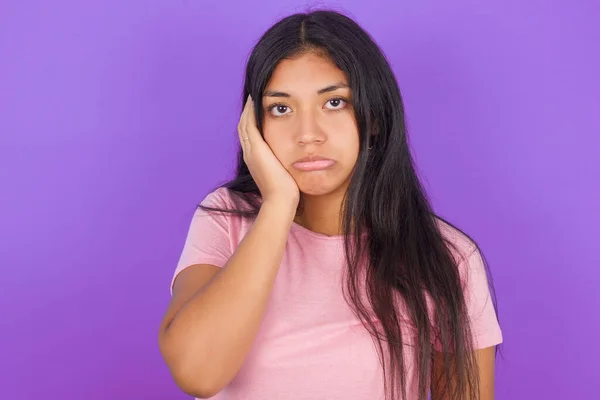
336	104
279	110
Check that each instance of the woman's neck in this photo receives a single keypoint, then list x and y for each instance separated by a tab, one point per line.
320	214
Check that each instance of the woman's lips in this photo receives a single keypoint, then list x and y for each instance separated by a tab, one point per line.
313	165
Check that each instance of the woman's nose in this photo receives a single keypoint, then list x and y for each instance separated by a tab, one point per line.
309	130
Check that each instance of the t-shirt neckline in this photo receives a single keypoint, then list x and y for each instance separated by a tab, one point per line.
299	228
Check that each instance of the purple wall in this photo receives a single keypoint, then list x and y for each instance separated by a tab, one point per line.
117	117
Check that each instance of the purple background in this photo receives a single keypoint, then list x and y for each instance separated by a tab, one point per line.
117	117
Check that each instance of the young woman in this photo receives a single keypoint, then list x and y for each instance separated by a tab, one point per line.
321	272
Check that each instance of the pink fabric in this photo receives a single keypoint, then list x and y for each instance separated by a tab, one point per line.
310	345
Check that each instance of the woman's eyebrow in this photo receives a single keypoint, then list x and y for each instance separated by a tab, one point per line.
333	88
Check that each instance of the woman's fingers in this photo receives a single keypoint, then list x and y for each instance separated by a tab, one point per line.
251	127
242	130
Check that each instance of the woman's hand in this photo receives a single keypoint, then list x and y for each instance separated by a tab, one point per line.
273	180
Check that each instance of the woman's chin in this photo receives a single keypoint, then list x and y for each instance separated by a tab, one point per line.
322	188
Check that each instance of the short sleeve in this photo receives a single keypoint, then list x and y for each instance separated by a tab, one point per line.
480	307
208	238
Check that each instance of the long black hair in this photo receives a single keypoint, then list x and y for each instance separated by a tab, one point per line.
405	254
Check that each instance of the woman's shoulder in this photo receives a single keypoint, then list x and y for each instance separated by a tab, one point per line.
460	244
223	197
233	204
219	197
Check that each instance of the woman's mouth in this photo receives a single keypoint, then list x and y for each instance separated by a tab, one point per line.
313	164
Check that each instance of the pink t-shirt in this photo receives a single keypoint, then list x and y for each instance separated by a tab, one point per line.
310	345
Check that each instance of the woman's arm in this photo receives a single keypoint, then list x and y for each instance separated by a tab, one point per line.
210	326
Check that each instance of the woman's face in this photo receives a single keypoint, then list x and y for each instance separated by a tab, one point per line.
308	113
